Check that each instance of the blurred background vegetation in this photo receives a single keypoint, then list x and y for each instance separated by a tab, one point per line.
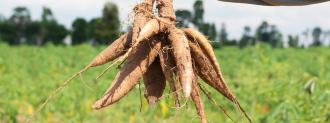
277	79
19	28
273	85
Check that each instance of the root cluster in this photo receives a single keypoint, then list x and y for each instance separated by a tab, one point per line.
155	50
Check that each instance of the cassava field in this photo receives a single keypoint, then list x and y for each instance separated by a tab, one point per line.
273	85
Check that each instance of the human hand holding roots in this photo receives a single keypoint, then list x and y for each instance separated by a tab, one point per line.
155	50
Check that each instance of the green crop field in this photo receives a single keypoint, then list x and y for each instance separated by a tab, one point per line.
273	85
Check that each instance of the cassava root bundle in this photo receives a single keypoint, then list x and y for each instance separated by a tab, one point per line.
155	50
173	57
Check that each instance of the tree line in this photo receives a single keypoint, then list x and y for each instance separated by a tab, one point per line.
19	28
265	32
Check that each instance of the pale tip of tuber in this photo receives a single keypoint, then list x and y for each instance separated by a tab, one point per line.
187	91
152	104
97	105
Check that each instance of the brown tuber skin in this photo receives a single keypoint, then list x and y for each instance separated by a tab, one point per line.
169	69
154	82
141	17
204	44
135	65
150	29
195	96
207	72
182	59
113	51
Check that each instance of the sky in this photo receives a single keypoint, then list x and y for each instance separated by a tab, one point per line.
290	20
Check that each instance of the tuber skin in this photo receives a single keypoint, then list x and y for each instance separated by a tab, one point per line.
133	69
169	69
154	82
195	96
181	53
113	51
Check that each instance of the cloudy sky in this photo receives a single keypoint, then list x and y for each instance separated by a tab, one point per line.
290	20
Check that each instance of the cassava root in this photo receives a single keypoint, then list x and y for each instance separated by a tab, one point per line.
169	70
154	82
135	65
155	50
